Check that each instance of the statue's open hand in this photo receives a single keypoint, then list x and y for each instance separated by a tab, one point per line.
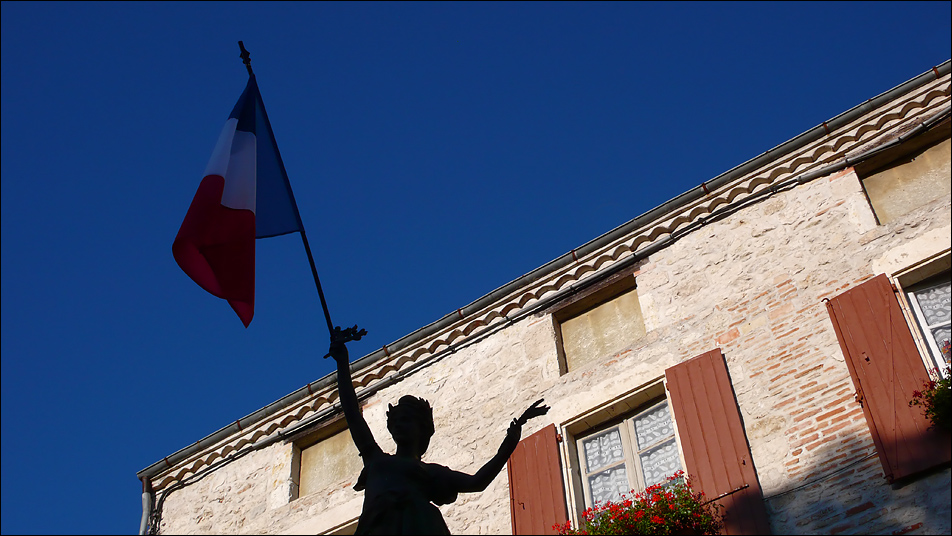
535	410
515	428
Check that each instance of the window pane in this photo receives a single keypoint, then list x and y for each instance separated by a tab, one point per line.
603	449
653	426
609	485
660	462
941	336
935	304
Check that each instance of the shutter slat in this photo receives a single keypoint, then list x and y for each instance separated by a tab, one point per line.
706	403
905	378
537	495
712	438
886	368
535	511
849	327
726	427
858	310
692	445
550	482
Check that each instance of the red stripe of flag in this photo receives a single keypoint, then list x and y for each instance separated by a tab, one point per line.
245	194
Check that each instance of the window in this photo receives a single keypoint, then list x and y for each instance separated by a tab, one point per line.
324	459
636	453
625	444
909	175
633	441
930	302
599	322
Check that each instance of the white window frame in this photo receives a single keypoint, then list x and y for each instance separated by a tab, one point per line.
909	279
624	462
611	410
632	454
925	328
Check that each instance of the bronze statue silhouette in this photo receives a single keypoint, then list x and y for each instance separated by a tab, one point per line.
401	492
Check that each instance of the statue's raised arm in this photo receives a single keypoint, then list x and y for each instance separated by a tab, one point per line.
479	481
359	431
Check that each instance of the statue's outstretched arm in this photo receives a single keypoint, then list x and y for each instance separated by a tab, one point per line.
359	430
463	482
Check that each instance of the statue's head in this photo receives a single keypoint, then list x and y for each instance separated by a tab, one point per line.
411	421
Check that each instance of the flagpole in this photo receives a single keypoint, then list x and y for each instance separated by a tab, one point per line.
317	281
246	59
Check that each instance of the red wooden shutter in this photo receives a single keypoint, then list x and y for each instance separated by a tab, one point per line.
712	437
886	368
536	493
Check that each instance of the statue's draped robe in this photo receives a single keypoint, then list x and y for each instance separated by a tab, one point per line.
400	495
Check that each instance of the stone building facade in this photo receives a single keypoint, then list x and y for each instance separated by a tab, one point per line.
743	290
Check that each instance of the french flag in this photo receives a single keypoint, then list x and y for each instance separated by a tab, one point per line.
245	194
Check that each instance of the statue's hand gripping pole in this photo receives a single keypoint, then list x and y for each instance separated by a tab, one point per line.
341	336
347	334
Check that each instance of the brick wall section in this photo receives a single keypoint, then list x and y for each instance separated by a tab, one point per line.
856	501
751	284
792	384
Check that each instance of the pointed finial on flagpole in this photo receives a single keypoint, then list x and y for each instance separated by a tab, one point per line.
246	58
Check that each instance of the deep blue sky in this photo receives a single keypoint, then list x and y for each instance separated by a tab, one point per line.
436	151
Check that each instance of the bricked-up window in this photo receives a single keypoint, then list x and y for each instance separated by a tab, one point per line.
931	302
598	323
324	459
886	367
908	176
635	453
